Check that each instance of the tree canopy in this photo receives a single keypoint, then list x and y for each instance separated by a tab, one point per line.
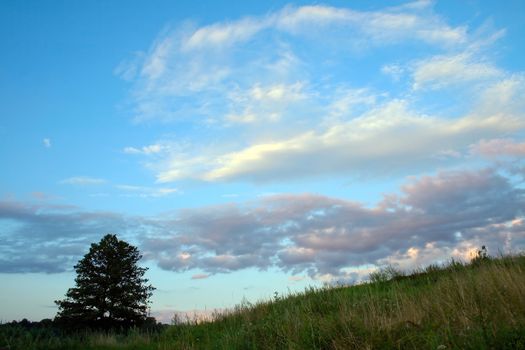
110	290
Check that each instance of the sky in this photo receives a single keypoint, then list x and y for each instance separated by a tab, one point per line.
255	147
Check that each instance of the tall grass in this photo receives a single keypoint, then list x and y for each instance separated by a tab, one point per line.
475	306
457	306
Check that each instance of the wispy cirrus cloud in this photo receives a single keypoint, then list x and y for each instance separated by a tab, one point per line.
441	71
144	191
383	26
394	23
83	181
178	66
284	96
264	103
146	150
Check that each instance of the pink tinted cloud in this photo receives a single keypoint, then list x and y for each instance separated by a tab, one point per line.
499	147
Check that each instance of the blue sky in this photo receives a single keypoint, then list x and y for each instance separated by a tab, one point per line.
255	148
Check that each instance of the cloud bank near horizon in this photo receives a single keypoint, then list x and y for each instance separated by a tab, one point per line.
432	218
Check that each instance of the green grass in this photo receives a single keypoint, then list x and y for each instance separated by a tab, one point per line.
458	306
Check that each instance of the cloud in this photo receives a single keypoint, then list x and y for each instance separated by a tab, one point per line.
83	181
503	96
264	103
146	150
430	219
390	23
433	218
349	103
50	238
441	71
200	276
385	26
499	147
128	69
393	70
285	97
189	72
47	142
222	35
142	191
368	145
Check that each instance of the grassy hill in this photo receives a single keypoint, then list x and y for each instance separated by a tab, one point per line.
480	305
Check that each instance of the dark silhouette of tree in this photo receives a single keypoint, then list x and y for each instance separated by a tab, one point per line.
110	291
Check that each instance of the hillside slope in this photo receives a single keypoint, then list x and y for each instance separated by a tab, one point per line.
480	305
475	306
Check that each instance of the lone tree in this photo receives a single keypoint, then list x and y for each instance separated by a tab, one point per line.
110	290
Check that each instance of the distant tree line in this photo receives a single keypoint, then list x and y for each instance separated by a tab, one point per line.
57	326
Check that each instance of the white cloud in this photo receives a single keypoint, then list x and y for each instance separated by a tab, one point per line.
144	192
277	93
150	149
265	103
155	63
381	141
295	19
349	103
284	95
245	118
394	70
384	27
442	71
222	35
504	96
83	180
47	142
128	69
189	72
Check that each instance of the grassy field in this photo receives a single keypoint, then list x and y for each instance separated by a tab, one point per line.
480	305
